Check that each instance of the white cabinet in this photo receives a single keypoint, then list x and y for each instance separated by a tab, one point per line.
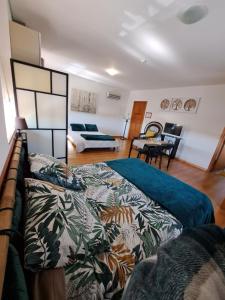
25	43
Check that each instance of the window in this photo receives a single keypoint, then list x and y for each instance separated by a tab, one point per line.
8	104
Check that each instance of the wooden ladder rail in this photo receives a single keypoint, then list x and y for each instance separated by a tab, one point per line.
7	200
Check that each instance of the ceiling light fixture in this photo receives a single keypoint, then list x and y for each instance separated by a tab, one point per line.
193	14
155	47
112	71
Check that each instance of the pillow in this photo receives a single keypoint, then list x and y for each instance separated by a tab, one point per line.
48	168
60	227
77	127
91	127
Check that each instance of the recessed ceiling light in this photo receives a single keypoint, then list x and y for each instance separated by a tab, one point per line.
193	14
112	71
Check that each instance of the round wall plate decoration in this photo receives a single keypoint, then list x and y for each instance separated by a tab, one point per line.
165	104
177	104
180	104
190	105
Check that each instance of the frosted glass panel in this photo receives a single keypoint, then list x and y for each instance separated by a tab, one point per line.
32	78
51	111
60	143
58	84
39	141
26	107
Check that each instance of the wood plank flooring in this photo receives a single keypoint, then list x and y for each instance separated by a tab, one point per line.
209	183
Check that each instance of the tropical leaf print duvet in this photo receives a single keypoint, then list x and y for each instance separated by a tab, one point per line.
115	227
135	226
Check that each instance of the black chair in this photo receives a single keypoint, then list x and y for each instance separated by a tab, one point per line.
166	150
156	152
151	152
155	127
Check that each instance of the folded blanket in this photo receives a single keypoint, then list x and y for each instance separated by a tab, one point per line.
96	137
189	267
188	205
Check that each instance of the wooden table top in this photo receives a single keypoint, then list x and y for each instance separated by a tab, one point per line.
139	143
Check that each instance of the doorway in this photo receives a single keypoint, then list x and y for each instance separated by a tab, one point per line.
137	118
218	160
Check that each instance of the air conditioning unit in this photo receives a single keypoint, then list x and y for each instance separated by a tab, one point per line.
111	95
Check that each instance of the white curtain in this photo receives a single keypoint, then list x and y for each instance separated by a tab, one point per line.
83	101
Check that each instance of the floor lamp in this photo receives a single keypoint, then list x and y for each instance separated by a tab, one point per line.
126	121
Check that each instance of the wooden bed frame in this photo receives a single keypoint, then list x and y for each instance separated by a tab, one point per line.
220	215
7	201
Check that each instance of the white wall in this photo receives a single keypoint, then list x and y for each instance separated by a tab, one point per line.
201	131
5	54
4	146
109	113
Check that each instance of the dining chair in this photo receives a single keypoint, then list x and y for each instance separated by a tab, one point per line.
151	152
152	130
156	152
166	150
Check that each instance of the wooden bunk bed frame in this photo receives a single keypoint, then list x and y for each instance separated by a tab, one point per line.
7	200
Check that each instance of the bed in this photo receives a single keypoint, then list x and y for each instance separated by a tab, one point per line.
90	139
86	227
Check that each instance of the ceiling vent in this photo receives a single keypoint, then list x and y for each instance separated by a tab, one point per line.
114	96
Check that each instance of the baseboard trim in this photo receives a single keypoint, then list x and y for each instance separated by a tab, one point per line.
191	164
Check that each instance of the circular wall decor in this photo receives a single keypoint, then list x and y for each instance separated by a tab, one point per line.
177	104
165	104
190	105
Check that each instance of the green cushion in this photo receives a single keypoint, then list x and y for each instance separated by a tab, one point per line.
91	127
14	283
77	127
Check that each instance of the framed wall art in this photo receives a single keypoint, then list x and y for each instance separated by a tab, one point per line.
148	115
165	104
191	105
176	104
83	101
187	105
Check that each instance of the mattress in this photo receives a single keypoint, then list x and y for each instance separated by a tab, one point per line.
82	144
99	234
127	211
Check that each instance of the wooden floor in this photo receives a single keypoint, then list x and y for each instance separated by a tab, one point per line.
211	184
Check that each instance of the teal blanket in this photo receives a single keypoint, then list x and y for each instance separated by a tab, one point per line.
96	137
188	205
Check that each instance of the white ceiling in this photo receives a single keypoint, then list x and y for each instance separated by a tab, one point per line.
85	37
